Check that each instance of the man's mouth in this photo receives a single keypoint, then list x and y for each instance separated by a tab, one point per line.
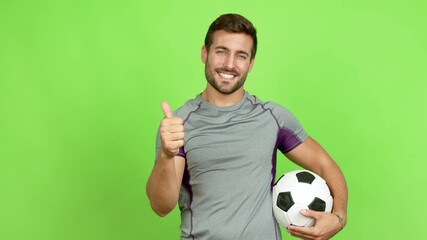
227	75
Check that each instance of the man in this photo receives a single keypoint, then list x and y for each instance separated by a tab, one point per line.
221	171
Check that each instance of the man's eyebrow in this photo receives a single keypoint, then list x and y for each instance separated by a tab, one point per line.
221	47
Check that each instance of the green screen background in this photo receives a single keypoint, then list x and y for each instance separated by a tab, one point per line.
81	84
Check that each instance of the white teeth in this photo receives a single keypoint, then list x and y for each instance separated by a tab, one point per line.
228	76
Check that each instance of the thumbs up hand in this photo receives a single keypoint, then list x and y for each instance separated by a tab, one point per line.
171	132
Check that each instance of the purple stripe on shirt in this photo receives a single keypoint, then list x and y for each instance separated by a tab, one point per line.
181	153
287	140
186	184
273	167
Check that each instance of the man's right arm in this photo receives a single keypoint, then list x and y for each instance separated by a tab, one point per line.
164	183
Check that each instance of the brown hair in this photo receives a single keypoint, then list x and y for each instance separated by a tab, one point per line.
234	23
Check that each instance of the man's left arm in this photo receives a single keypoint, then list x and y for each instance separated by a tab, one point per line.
311	156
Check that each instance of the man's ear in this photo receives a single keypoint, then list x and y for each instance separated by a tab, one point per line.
204	54
251	64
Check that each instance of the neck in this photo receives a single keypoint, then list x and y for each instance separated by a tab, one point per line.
222	100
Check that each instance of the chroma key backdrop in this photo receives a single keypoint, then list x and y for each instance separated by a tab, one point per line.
81	84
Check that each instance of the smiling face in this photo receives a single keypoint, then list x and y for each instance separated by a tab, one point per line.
228	61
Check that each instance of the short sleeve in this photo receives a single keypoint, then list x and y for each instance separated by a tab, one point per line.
291	133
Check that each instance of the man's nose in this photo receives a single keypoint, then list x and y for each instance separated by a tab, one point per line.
229	62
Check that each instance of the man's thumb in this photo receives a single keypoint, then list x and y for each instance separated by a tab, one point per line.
309	213
167	110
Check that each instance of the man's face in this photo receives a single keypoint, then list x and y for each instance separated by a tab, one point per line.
228	61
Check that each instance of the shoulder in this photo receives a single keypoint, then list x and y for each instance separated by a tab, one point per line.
185	110
277	110
283	116
291	132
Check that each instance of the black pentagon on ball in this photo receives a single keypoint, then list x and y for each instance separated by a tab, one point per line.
305	177
285	201
317	205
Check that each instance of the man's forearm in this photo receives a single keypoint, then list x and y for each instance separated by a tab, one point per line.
163	186
339	191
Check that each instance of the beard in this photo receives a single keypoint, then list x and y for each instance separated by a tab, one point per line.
225	87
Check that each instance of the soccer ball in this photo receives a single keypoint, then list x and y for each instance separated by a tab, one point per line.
299	190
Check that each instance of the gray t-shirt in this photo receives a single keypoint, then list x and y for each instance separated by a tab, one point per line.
230	155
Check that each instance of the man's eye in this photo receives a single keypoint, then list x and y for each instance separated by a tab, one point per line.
242	56
220	52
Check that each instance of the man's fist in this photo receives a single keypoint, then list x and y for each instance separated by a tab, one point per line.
171	132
